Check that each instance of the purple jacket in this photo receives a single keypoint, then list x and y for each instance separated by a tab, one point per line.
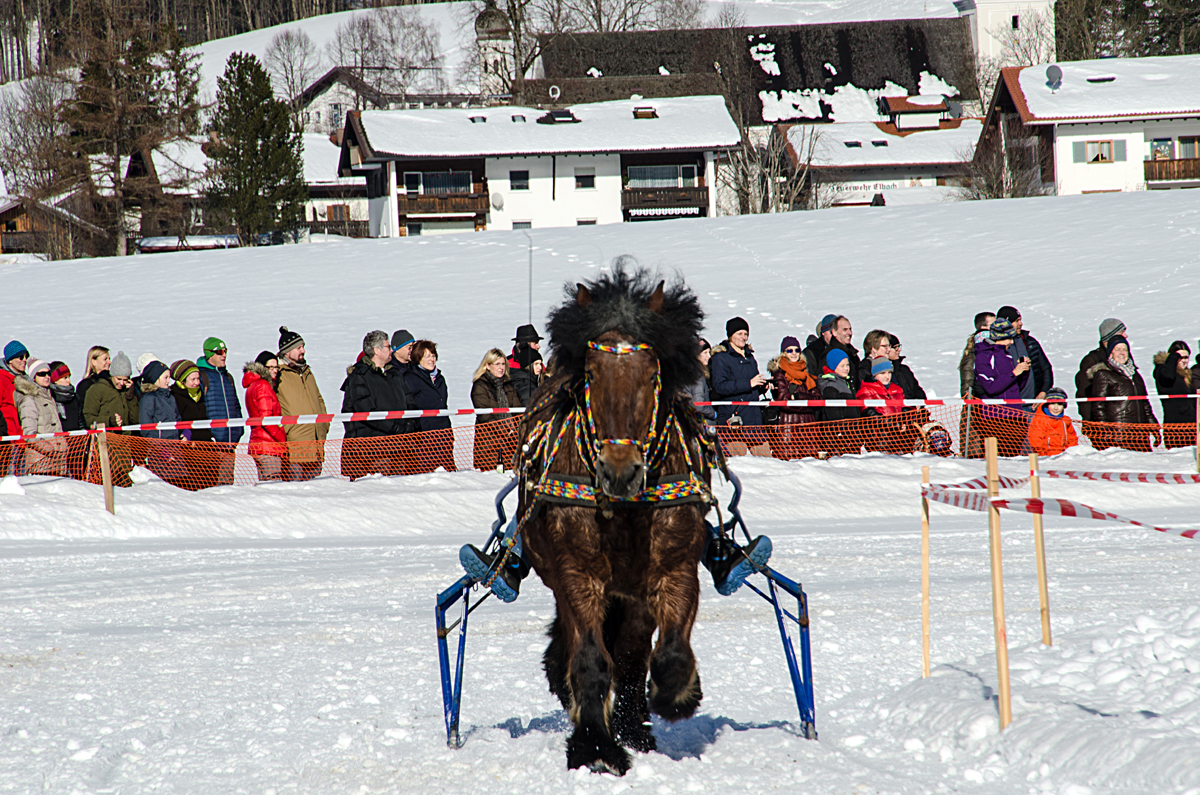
994	371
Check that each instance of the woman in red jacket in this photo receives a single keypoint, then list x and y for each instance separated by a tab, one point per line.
267	442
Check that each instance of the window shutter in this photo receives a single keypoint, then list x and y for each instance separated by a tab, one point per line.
1079	152
1119	151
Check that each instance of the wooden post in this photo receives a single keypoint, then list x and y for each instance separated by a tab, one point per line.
105	469
993	490
1039	544
924	574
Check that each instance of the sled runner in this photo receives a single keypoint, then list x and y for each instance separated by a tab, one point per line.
774	588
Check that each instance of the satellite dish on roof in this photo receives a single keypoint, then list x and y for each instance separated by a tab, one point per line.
498	201
1054	76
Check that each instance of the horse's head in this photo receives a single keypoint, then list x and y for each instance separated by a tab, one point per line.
624	387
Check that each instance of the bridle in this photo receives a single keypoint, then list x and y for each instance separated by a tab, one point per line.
653	447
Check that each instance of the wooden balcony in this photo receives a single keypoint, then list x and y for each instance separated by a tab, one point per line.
1168	170
18	242
653	198
443	203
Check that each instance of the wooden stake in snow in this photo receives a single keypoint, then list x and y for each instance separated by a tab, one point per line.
1039	543
924	574
993	490
105	470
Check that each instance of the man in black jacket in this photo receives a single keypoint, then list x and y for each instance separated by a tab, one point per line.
374	383
842	332
814	354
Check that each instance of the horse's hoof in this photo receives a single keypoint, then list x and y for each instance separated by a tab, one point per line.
681	705
637	737
604	756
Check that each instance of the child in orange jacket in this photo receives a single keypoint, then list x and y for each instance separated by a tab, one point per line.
1051	431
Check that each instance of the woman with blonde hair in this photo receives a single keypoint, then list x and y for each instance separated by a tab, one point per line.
98	361
492	388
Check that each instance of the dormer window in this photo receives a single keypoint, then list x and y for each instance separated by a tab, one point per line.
518	118
478	119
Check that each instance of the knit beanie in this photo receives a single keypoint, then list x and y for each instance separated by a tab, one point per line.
1056	395
881	364
14	350
400	339
153	371
181	369
526	357
735	324
58	371
214	344
788	342
143	360
894	340
121	366
1009	313
704	346
265	357
1111	327
288	340
826	324
1001	330
834	357
35	366
1113	343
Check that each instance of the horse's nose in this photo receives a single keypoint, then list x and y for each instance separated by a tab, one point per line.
620	473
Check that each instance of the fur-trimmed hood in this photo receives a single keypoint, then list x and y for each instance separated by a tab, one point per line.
1160	359
725	345
1104	365
256	368
26	386
773	364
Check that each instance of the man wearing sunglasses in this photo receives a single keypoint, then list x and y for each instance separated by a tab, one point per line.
220	399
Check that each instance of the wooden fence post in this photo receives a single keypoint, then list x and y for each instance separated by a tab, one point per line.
105	470
924	574
993	490
1039	543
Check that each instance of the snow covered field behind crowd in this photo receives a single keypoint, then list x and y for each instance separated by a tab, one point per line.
279	638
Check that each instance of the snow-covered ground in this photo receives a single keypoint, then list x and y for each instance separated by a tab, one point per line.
279	638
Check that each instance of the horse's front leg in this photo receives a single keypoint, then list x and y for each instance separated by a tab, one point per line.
580	591
677	541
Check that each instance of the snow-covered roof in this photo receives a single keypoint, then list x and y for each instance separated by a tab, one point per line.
1108	88
876	144
681	123
180	164
321	162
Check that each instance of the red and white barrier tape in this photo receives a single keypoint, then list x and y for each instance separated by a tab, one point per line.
976	501
951	401
251	422
1161	478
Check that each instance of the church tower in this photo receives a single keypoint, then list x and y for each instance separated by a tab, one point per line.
494	38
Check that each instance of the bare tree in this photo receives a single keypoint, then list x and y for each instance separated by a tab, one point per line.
1007	164
391	50
30	135
678	14
293	62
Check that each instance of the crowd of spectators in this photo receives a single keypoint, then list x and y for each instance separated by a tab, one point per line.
399	372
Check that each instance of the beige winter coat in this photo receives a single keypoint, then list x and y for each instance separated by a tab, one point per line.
298	394
39	414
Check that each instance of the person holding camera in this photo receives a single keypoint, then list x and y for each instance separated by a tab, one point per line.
997	375
735	376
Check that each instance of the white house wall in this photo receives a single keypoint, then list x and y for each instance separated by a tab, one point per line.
551	202
1120	175
995	16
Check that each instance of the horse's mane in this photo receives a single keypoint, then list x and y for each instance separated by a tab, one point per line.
619	304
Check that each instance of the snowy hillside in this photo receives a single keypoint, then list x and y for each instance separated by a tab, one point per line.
279	638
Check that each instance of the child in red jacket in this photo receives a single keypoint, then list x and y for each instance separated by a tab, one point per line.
891	436
1051	431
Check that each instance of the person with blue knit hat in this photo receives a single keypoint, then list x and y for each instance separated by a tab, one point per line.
835	385
892	436
12	368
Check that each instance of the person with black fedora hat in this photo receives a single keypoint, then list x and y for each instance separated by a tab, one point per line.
527	338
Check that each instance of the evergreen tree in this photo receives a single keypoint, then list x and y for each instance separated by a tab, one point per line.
135	91
256	175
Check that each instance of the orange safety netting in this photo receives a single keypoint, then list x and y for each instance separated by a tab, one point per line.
954	431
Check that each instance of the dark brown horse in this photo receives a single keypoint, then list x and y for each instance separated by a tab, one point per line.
617	530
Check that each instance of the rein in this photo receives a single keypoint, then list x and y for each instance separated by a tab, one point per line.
546	436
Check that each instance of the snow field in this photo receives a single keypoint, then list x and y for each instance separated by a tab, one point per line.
279	638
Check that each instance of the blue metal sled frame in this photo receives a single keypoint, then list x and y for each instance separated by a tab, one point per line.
800	670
